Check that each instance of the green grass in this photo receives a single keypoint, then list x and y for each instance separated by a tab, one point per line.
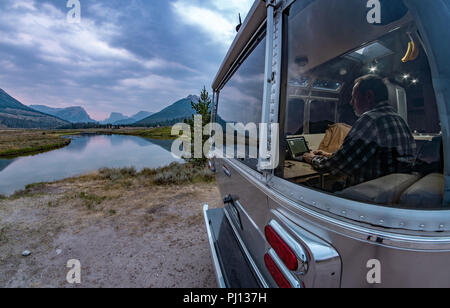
161	133
91	200
33	150
35	186
30	190
28	142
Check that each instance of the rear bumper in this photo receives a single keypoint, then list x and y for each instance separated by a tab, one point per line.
232	266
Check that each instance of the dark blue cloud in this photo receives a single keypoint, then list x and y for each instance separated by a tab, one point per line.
125	56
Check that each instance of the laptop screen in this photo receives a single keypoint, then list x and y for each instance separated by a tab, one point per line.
298	146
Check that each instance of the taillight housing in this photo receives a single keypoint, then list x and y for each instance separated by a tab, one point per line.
276	273
282	249
211	165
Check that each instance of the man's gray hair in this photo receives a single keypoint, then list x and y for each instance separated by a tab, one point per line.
375	84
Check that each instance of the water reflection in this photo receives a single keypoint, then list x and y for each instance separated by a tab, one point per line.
85	154
165	144
79	143
5	163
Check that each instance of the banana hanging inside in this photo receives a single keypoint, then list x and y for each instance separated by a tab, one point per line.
412	53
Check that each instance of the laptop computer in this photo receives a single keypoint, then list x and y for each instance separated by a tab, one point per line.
297	146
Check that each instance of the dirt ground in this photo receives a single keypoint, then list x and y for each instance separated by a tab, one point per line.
132	236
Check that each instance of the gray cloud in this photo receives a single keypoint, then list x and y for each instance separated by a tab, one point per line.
124	56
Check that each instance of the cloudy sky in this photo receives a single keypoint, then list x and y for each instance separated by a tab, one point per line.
124	56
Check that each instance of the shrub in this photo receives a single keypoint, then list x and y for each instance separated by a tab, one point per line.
114	174
30	190
174	174
147	172
90	200
177	174
35	186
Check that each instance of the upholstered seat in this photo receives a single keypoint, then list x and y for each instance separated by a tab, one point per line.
385	190
426	193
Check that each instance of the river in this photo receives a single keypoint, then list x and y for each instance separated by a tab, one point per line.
85	154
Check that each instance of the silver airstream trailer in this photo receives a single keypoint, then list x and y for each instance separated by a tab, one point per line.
296	63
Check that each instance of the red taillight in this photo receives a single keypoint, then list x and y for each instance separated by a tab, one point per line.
277	275
283	251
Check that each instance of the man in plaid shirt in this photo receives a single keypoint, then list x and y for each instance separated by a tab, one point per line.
380	143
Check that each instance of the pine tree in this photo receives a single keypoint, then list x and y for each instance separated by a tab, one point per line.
203	108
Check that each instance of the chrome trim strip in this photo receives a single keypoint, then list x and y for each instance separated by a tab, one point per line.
217	268
398	220
394	239
226	171
247	253
268	81
294	245
323	259
287	274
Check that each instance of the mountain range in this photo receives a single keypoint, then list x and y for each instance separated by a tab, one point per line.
120	119
14	114
70	114
181	109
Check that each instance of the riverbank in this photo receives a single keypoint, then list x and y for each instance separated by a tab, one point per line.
159	133
29	142
127	228
26	142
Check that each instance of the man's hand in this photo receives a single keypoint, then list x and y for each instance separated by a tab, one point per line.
323	153
308	157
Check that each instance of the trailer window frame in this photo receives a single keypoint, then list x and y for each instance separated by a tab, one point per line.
375	215
257	39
